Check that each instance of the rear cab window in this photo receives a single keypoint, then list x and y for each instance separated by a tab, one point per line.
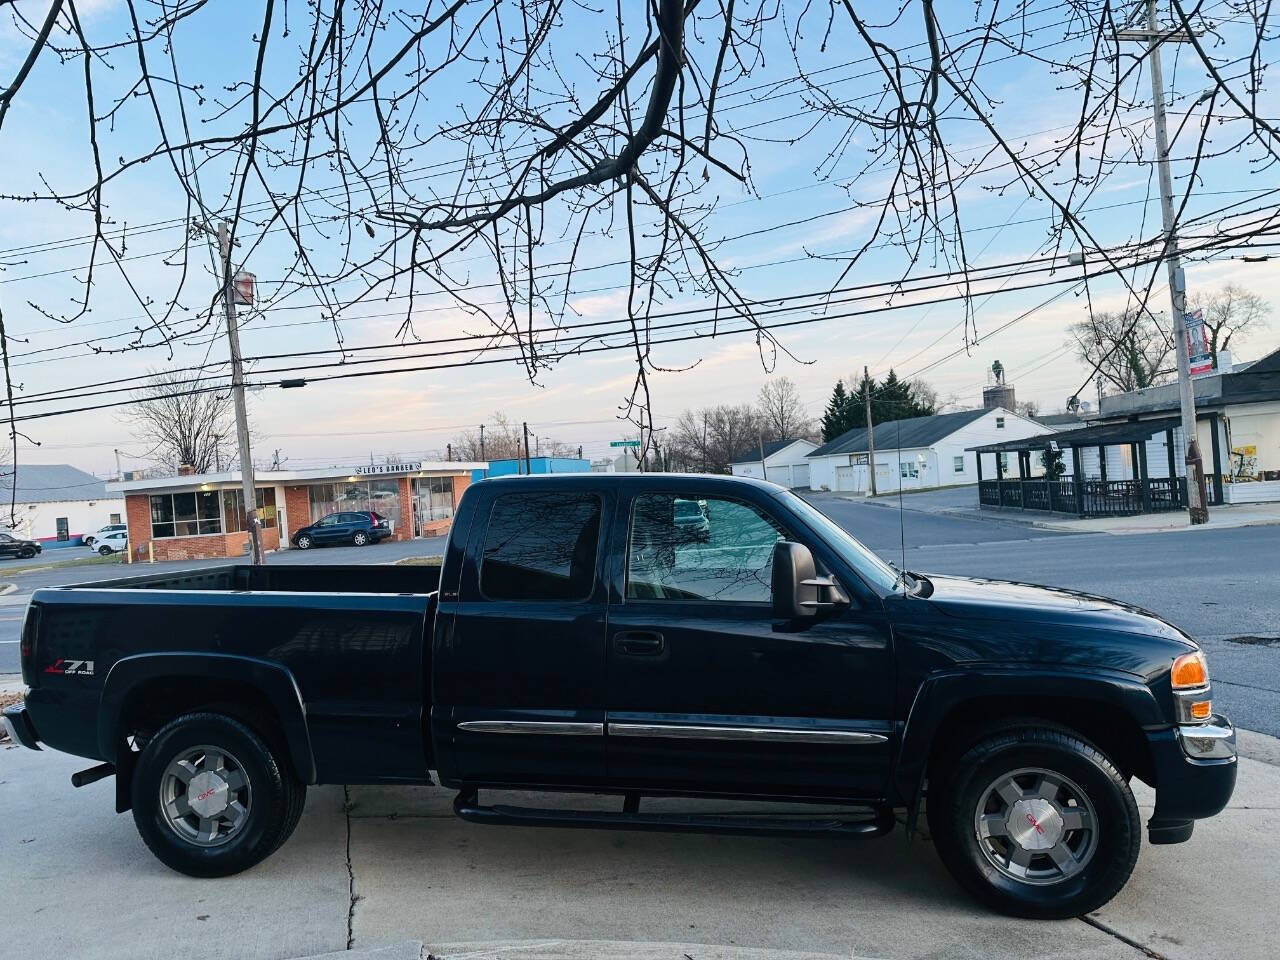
541	546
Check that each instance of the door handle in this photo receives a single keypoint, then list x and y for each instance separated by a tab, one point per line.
639	643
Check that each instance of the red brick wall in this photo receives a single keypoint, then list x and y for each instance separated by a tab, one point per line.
211	546
404	526
297	508
137	514
460	484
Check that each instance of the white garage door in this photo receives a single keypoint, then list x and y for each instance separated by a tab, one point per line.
852	479
800	476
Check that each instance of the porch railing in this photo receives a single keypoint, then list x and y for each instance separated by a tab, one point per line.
1096	498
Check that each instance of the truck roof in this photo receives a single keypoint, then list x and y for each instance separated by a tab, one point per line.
613	480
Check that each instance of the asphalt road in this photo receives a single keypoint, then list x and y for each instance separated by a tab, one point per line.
1219	585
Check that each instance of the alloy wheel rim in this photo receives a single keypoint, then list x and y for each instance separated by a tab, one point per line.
205	796
1036	826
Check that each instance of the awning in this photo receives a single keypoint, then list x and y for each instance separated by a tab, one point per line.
1098	435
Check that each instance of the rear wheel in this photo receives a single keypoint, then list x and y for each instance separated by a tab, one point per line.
210	798
360	538
1036	822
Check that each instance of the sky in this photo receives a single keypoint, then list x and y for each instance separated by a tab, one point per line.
789	231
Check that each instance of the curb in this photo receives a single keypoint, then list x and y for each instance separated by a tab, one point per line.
409	950
7	588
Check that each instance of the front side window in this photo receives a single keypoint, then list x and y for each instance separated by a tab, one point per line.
690	549
541	546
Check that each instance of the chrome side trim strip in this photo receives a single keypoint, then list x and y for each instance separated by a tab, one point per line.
563	728
760	734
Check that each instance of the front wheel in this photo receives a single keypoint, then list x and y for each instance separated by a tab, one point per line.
210	797
359	538
1036	822
304	542
104	551
26	554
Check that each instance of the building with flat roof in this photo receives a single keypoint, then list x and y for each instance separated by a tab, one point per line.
202	515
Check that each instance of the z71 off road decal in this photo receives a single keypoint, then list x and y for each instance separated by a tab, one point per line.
71	668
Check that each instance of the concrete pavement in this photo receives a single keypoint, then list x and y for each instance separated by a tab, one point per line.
381	866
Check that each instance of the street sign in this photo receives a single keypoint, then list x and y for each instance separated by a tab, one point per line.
624	443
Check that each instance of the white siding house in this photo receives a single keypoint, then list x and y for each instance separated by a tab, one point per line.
916	453
58	504
784	462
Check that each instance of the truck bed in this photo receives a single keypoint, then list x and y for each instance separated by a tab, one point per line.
352	639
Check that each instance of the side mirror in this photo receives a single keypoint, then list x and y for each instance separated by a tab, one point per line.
798	591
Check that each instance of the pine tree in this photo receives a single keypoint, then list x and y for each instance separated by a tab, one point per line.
838	417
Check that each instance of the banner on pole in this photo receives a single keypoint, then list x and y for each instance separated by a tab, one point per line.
1198	343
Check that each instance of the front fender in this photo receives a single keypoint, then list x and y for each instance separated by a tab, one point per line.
275	682
941	693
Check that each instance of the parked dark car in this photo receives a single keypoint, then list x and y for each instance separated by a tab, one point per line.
357	527
11	546
576	639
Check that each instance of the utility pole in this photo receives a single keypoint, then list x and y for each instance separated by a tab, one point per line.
482	456
871	432
764	471
237	396
119	472
528	467
449	454
1197	510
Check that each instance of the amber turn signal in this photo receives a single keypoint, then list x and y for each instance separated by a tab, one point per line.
1201	708
1189	670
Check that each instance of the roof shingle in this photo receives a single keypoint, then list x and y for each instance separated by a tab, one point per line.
908	434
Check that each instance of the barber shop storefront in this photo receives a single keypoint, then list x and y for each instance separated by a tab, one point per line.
202	515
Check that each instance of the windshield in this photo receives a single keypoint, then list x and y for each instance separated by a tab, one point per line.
872	569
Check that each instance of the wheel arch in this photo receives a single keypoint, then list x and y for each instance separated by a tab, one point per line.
1110	708
155	687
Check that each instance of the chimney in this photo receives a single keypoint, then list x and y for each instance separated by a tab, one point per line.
998	395
1224	361
186	470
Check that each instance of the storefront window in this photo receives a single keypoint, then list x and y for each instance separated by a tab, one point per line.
376	496
185	514
432	500
233	508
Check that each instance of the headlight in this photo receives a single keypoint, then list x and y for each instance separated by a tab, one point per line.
1189	678
1189	670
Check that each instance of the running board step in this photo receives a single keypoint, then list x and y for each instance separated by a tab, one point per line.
875	824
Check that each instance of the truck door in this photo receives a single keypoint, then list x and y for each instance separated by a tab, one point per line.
706	691
519	682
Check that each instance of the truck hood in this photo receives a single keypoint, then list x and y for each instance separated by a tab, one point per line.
1000	600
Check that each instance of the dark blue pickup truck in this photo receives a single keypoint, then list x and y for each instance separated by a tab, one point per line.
581	638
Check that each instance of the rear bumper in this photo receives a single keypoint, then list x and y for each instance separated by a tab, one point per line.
18	724
1195	776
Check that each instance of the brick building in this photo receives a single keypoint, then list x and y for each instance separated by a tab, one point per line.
202	515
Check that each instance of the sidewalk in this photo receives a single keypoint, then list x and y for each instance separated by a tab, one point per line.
1225	517
379	866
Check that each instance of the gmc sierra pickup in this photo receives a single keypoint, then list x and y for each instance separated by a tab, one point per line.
584	636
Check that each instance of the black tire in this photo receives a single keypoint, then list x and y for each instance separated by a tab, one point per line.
26	554
104	551
303	542
1107	850
360	538
272	803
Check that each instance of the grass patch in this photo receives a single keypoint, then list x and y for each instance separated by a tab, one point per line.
91	560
